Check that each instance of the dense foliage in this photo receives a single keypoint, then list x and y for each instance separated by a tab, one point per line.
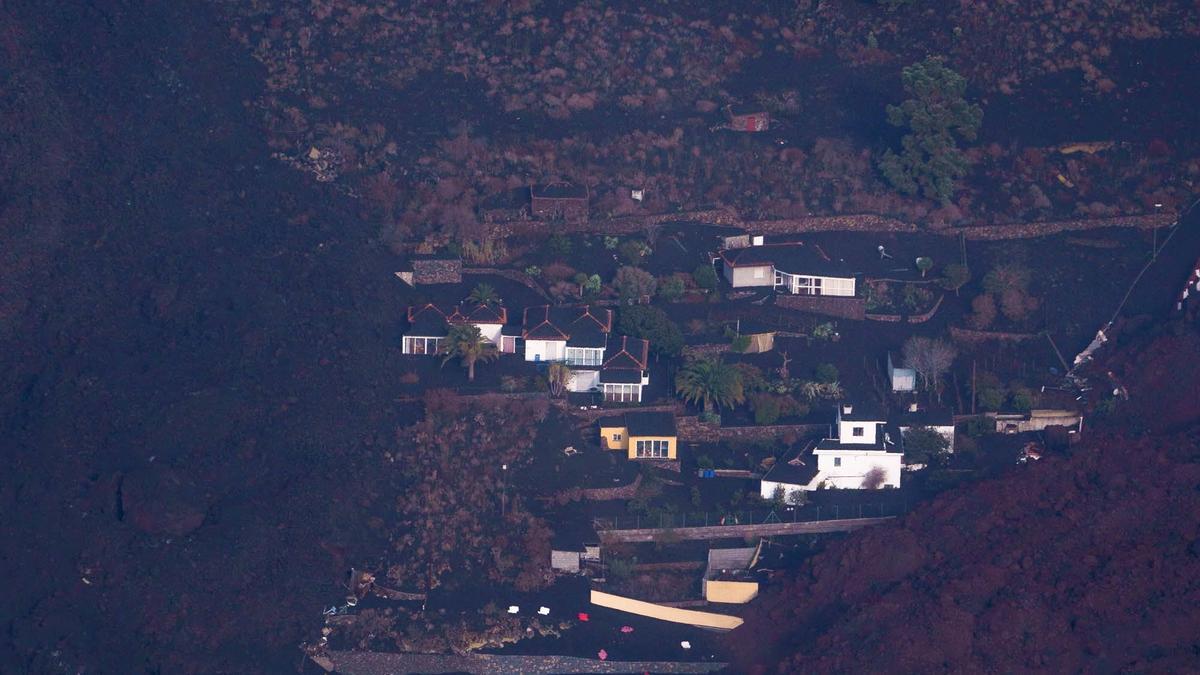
935	115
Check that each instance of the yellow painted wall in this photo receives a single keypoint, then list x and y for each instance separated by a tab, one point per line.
672	451
739	592
609	434
673	614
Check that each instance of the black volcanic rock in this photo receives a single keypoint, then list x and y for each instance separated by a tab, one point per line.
163	501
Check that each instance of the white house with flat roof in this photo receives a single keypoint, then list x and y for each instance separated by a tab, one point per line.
864	454
796	268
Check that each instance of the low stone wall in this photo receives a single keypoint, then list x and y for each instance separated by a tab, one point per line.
912	318
590	416
967	335
511	275
706	350
599	494
1042	229
691	429
863	222
733	531
614	226
828	305
922	318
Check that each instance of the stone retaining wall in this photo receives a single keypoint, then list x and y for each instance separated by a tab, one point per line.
706	350
590	416
693	430
511	275
866	222
967	335
828	305
913	318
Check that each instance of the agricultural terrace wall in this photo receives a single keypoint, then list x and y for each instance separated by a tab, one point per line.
706	350
843	308
912	318
690	428
968	335
590	416
511	275
847	223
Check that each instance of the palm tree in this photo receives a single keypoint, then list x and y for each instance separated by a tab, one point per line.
484	294
710	383
468	344
559	376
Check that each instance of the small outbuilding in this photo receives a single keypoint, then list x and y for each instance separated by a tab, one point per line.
728	577
747	118
902	379
559	201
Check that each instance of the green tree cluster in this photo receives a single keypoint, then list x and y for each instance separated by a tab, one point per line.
653	324
936	114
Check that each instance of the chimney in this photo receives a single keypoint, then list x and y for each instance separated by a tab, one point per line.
913	407
756	240
847	409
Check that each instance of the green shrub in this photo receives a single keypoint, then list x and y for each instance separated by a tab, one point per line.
826	373
559	246
978	426
705	277
670	288
619	568
740	343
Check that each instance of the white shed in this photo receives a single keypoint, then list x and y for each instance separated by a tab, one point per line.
903	379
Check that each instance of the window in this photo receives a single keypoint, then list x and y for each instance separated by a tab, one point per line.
583	356
616	437
808	286
837	461
653	449
858	431
421	345
623	393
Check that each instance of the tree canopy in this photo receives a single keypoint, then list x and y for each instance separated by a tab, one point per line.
935	115
468	345
923	445
634	285
929	357
710	383
653	324
484	294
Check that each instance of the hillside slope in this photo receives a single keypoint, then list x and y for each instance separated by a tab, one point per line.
1081	562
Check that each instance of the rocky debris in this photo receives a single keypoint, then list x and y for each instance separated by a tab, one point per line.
162	501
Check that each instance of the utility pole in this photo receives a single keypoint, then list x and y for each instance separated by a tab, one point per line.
973	364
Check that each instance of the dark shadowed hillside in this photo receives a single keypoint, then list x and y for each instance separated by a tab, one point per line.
191	336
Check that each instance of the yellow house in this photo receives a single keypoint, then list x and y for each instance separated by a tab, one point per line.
642	435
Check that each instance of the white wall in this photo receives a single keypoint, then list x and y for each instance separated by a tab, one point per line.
583	380
545	350
870	431
904	379
759	275
767	490
838	286
855	466
490	331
